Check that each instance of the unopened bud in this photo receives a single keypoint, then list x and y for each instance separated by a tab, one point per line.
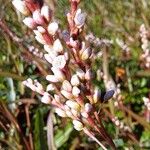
59	62
21	6
48	58
52	78
41	29
96	95
29	22
46	13
89	74
73	105
46	98
57	46
66	86
40	40
88	107
75	91
66	94
58	74
52	28
75	80
80	73
57	97
77	125
38	18
50	87
86	54
60	112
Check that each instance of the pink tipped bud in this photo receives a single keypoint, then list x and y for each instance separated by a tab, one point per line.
75	80
73	105
66	86
66	94
58	74
38	18
46	13
29	22
59	62
40	40
75	91
50	87
52	28
86	54
80	73
57	98
60	112
52	78
46	98
77	125
21	6
57	46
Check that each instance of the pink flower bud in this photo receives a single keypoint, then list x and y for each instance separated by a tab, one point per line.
89	75
79	18
29	22
52	78
88	107
66	86
77	125
57	98
80	73
85	114
57	46
60	112
21	6
69	113
52	28
40	40
73	105
48	58
46	13
66	94
58	74
48	48
38	18
46	98
59	62
96	95
41	29
75	91
75	80
50	87
86	54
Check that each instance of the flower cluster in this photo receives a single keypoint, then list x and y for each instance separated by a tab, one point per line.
70	89
145	58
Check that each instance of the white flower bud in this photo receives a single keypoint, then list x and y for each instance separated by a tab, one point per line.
75	80
46	13
52	78
89	75
52	28
88	107
50	87
48	48
46	98
69	113
41	29
79	18
57	46
57	98
21	6
48	58
77	125
73	105
66	94
80	73
29	22
58	74
86	54
40	40
75	112
85	114
66	86
96	95
75	91
38	18
59	62
60	112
